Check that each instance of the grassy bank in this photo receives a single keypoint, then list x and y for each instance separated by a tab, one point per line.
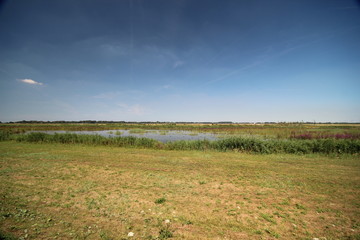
239	144
68	191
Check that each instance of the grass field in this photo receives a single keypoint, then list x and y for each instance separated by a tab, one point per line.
71	191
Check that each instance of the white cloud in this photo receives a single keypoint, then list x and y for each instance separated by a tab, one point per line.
30	81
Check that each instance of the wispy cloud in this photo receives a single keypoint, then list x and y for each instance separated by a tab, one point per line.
30	81
108	95
133	94
271	56
160	57
236	71
135	109
114	49
166	86
178	63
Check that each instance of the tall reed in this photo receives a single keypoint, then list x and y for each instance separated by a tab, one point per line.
240	144
72	138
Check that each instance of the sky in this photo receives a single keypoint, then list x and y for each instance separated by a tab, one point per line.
180	60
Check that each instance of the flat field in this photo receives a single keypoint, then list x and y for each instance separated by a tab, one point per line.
70	191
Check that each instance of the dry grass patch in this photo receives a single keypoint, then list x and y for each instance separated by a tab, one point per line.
82	192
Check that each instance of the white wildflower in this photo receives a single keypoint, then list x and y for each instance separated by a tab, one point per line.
130	234
167	221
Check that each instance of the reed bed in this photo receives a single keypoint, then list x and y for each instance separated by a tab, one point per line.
71	138
238	144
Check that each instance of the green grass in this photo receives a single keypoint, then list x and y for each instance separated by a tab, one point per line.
78	191
137	131
118	133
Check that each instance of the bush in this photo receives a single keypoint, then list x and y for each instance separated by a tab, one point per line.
5	135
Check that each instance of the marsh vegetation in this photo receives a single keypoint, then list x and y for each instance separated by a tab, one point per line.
239	144
277	131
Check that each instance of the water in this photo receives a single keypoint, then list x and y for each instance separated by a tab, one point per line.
159	135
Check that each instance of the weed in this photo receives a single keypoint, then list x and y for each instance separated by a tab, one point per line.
7	236
272	233
268	218
160	200
185	221
299	206
103	235
164	233
259	232
285	202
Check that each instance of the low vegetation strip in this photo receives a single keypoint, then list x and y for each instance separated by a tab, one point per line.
240	144
278	130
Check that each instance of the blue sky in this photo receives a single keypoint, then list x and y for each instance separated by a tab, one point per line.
180	60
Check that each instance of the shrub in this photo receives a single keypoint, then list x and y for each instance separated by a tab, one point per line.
5	135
